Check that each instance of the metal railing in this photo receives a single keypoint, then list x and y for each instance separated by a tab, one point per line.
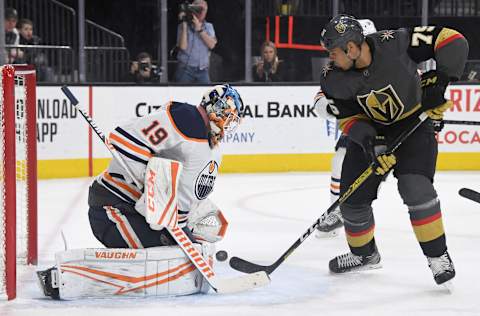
106	64
53	21
365	8
54	64
448	8
97	35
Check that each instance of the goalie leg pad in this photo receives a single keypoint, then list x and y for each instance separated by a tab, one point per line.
107	273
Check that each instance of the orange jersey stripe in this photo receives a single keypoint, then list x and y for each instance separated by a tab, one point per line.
122	185
129	145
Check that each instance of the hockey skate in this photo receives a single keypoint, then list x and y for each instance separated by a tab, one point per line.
330	224
350	262
48	281
442	268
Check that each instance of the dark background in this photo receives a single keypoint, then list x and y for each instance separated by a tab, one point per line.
137	21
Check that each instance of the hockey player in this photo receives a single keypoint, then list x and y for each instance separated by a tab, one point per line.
374	90
177	149
330	223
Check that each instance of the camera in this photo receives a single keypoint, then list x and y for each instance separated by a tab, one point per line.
144	66
267	67
189	9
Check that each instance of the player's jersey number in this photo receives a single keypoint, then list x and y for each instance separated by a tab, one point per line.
421	34
155	133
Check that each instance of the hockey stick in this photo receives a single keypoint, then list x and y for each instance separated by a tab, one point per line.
454	122
250	267
470	194
232	285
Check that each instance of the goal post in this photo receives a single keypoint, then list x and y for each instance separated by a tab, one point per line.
18	174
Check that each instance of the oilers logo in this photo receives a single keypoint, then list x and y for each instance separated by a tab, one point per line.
206	180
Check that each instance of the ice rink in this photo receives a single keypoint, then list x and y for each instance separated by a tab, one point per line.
267	213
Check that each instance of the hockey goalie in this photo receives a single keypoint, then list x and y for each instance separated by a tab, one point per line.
150	208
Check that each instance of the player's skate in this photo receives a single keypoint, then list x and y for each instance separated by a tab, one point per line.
442	268
330	224
47	280
350	262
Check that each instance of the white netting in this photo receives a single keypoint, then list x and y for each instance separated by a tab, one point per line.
21	166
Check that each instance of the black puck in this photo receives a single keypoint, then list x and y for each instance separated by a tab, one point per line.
221	255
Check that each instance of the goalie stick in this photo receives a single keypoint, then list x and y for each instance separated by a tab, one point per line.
250	267
470	194
230	285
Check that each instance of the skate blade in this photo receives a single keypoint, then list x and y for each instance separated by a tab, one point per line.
331	234
448	286
360	269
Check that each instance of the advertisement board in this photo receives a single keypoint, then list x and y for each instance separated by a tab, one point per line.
280	130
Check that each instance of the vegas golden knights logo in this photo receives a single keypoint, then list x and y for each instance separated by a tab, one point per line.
340	27
383	106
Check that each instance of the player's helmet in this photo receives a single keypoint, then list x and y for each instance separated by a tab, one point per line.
224	108
341	30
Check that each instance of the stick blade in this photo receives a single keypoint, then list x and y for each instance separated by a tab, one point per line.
470	194
245	266
243	283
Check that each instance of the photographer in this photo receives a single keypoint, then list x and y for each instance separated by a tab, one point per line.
269	68
142	70
195	39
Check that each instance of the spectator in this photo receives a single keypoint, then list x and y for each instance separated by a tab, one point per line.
269	68
195	39
34	56
12	36
142	70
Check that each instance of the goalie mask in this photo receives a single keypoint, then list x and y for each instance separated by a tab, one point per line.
224	107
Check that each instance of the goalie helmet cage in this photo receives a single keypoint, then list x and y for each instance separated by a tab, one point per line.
18	174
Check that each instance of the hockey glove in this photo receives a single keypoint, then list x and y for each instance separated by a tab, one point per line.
382	161
436	115
433	84
364	134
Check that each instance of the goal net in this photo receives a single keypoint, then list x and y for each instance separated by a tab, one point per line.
18	174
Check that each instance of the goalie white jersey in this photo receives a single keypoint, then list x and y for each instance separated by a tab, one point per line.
176	131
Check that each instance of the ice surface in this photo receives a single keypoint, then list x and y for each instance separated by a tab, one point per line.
267	213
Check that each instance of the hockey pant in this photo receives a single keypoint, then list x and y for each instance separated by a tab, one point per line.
116	223
415	170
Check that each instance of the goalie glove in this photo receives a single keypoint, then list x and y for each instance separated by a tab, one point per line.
207	222
159	201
